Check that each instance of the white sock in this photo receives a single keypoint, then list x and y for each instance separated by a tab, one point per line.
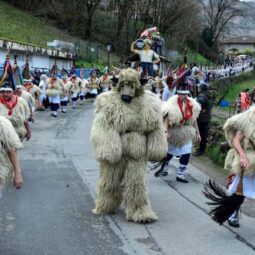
181	171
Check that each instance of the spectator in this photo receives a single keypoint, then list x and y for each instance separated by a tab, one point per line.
204	118
169	89
159	44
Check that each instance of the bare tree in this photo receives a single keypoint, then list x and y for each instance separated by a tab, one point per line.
91	6
217	14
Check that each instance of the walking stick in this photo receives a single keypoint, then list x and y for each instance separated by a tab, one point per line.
223	206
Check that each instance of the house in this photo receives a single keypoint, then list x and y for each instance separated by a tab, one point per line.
238	44
39	57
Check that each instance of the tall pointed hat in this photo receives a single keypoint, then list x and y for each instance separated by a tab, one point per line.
7	74
16	72
26	72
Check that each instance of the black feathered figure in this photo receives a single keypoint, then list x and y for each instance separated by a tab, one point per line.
223	206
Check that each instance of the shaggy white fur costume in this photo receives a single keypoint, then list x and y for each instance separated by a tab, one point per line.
180	133
53	88
76	85
66	88
9	140
28	98
18	117
124	137
32	89
244	122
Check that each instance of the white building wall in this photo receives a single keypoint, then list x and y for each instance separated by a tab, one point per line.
35	60
2	56
40	61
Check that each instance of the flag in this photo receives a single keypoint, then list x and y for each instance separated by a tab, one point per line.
149	31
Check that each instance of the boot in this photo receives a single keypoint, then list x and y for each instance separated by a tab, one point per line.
181	174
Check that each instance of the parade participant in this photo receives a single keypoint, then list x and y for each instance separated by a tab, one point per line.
169	89
245	100
159	86
66	91
105	82
34	90
9	143
240	161
180	113
42	97
148	57
16	110
75	89
93	86
239	131
126	132
29	100
83	90
204	118
53	91
28	85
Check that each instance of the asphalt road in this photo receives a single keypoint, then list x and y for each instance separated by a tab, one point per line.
51	214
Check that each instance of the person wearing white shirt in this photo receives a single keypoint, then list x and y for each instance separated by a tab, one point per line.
148	57
169	89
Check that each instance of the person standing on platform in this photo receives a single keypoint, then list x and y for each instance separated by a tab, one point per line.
148	57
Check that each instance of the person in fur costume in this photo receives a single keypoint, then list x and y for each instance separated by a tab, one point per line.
93	86
29	100
28	85
105	82
83	90
180	113
66	91
53	91
16	110
239	131
32	89
9	143
127	131
75	90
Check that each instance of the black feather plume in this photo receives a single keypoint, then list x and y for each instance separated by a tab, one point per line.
223	205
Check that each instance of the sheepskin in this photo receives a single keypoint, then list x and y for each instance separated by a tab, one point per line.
53	89
9	140
18	117
32	89
124	137
244	122
180	133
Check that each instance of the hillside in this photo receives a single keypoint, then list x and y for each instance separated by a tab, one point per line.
23	27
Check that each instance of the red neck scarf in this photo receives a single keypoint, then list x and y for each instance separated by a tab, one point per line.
105	77
10	105
188	112
28	87
53	83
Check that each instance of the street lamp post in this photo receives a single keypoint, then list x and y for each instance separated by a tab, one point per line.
108	47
